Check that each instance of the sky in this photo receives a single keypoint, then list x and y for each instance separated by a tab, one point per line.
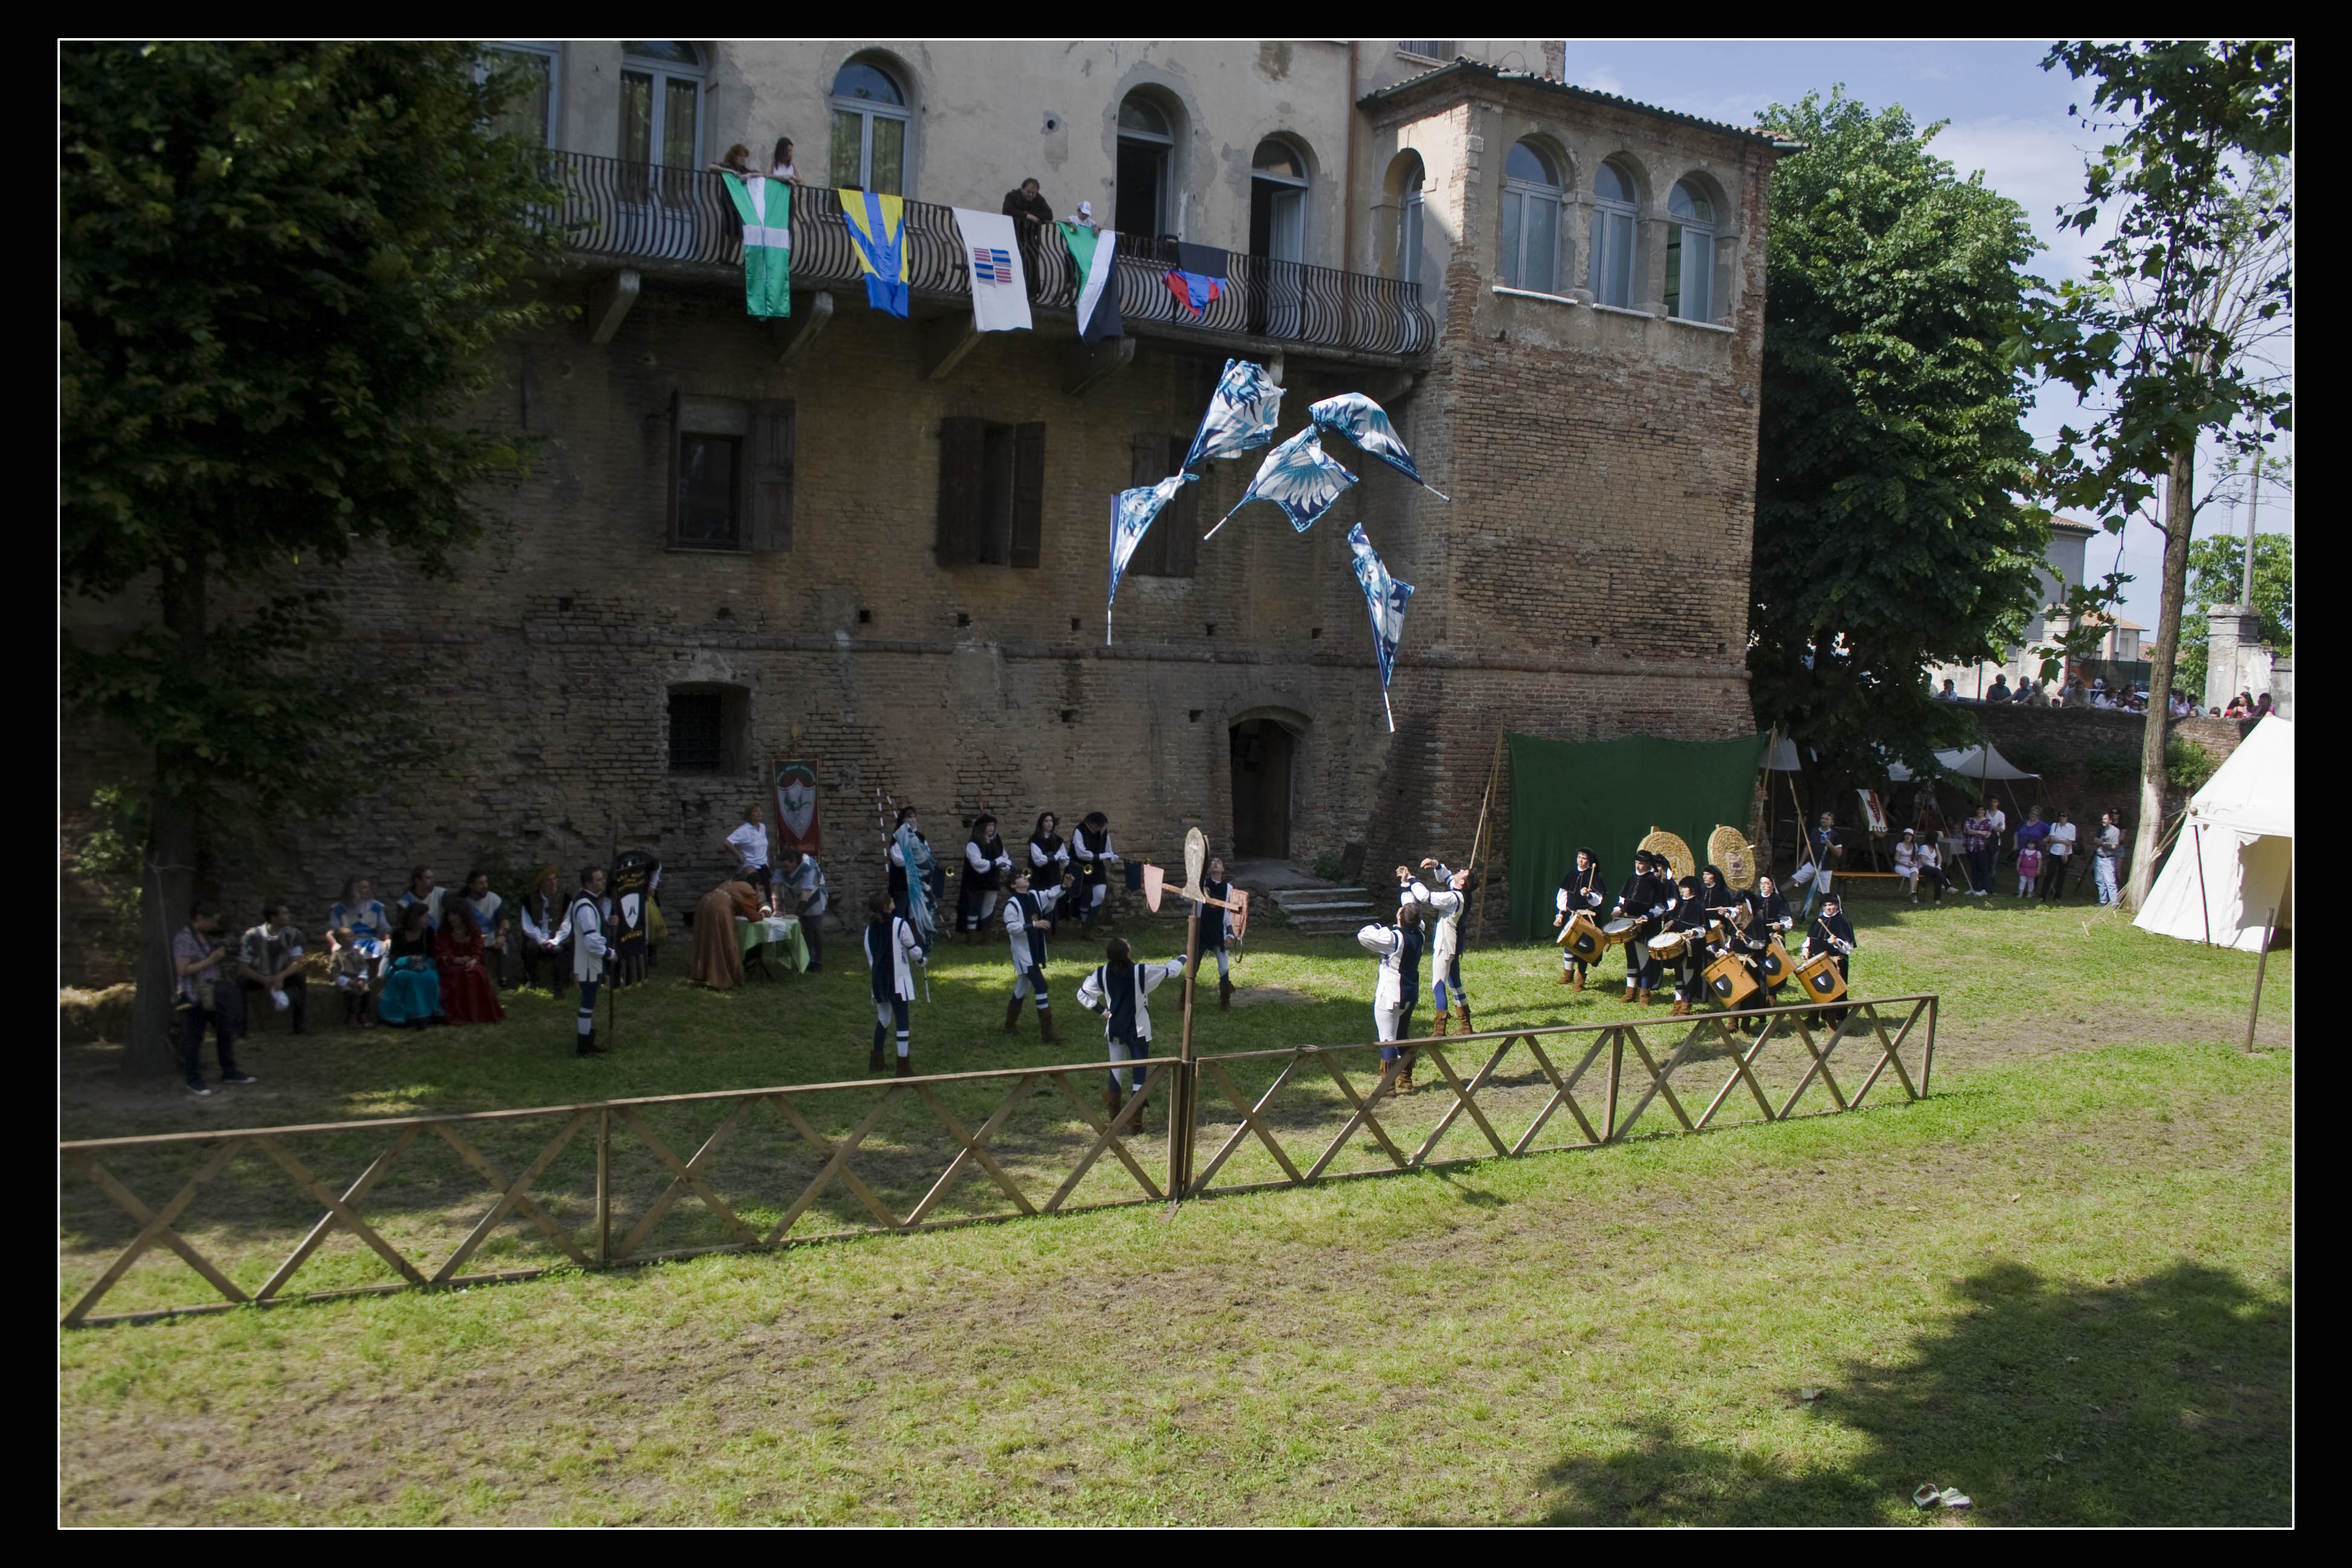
2006	116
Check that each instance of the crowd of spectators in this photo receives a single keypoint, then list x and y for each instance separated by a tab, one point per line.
2073	692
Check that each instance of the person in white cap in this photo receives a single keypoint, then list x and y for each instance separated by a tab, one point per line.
1085	214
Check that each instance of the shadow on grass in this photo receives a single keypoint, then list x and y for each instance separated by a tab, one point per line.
2160	1401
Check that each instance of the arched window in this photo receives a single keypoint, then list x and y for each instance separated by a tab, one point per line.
1145	202
661	103
1531	190
869	130
1408	269
1690	254
1612	237
1278	202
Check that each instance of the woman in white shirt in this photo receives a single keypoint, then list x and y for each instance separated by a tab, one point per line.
748	844
1906	861
2057	855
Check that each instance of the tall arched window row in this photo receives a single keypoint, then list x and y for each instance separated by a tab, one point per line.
1690	254
1278	202
1531	197
869	130
1144	196
661	103
1614	209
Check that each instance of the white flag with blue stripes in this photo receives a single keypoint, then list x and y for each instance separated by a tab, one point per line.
1241	416
1366	423
1386	599
1297	477
1131	512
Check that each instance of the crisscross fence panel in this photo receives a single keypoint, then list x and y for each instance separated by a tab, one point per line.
323	1210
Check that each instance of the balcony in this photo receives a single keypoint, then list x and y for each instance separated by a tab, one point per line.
680	220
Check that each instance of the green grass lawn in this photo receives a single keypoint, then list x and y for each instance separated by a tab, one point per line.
2060	1284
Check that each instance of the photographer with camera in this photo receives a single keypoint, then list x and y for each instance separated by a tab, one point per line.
206	997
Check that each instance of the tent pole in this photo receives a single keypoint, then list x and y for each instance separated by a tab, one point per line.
1478	839
2204	899
2253	1008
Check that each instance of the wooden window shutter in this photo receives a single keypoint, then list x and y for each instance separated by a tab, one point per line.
1180	525
676	445
1028	494
963	454
770	481
1149	465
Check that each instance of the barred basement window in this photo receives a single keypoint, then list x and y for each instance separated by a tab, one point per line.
709	729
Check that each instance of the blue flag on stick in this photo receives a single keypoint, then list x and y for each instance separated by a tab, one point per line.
1366	423
1386	599
1241	416
1297	477
1131	512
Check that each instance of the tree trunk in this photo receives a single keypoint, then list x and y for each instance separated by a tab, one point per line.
167	881
2179	518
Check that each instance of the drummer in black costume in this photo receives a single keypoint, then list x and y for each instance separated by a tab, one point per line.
1831	933
1773	918
1746	938
1581	892
1689	918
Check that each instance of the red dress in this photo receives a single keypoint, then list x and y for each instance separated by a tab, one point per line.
468	993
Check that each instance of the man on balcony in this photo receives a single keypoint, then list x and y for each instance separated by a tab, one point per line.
1031	215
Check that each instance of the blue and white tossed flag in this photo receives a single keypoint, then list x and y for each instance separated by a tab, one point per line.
1297	477
1366	423
1241	413
1386	599
1131	512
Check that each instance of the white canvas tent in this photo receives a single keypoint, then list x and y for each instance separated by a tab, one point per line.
1978	762
2232	865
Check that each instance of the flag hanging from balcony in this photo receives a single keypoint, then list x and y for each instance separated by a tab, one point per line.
1241	416
1094	254
1131	512
1365	423
992	256
1198	276
1297	477
766	208
877	228
1386	599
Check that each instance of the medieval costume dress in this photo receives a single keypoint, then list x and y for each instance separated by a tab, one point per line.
1119	992
1049	856
1028	919
411	985
468	995
1582	892
892	952
717	949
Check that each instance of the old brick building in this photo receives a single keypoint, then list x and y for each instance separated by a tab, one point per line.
879	545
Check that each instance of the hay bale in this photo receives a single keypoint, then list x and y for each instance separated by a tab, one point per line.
87	1015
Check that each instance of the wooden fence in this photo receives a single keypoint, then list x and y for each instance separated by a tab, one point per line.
536	1179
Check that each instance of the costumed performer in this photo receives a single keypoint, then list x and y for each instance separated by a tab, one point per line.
1396	987
1120	991
1049	856
1688	919
717	949
591	954
412	984
1028	920
468	993
1090	847
1215	929
986	869
358	934
1582	892
892	952
1444	905
1833	933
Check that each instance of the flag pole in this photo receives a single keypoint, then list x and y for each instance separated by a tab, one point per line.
1391	711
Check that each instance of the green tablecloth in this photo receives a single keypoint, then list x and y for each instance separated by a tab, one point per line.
781	936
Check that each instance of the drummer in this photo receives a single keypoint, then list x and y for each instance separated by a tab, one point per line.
1580	893
1746	938
1644	899
1688	920
1831	933
1716	893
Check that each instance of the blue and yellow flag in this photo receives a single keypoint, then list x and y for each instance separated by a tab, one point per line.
877	226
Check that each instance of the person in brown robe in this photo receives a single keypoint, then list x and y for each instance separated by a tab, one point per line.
718	951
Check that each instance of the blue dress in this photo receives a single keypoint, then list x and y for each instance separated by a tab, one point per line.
411	987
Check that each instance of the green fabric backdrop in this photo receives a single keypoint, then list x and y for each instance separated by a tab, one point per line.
1609	795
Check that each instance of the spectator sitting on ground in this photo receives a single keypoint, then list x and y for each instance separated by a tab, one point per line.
2001	691
422	888
490	918
467	997
411	985
269	959
358	928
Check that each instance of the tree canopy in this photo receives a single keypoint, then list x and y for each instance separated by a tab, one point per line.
284	269
1887	532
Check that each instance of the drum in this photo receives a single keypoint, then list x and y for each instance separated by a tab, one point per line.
1583	940
1777	965
1668	944
1729	982
1821	979
1619	932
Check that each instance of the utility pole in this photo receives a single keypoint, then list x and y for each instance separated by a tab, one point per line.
2254	501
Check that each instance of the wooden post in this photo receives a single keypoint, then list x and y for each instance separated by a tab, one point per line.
605	1187
1180	1089
1478	840
2253	1008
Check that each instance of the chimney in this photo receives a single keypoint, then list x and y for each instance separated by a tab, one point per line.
1555	53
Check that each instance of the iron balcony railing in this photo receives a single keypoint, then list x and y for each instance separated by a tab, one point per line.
650	213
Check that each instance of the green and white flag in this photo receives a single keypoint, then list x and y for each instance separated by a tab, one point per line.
1092	251
766	207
